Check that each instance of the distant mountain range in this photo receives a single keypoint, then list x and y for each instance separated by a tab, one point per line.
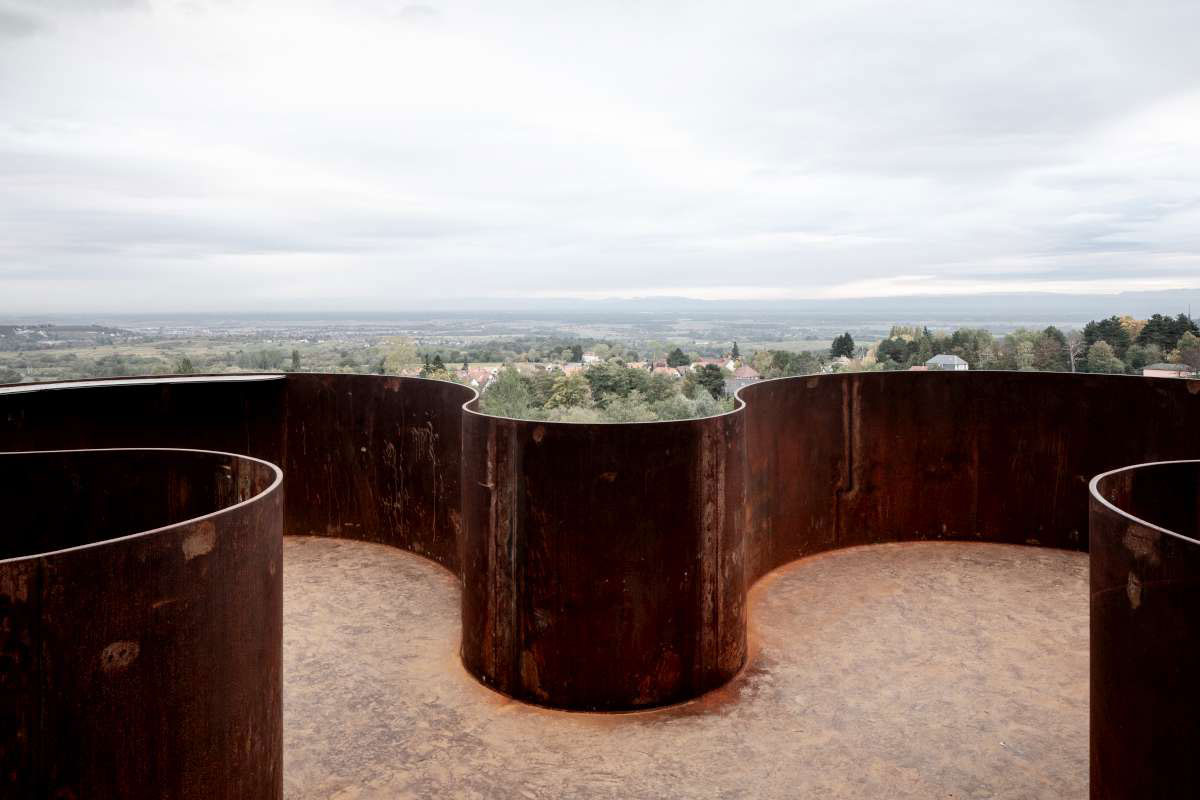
1027	304
1024	308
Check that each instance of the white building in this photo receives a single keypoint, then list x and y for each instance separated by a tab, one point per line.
1164	370
947	363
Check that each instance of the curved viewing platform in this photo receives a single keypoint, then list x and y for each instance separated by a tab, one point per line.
854	585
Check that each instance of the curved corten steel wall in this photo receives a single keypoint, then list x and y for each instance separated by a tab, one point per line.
986	456
1145	629
231	413
366	457
375	458
140	625
603	565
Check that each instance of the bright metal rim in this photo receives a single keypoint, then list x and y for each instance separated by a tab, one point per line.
1094	491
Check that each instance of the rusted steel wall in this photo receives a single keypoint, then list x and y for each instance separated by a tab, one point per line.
1145	632
376	458
366	457
147	666
603	564
862	458
232	413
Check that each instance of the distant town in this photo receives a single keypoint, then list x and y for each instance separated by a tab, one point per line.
595	370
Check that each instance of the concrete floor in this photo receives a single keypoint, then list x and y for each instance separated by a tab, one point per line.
930	670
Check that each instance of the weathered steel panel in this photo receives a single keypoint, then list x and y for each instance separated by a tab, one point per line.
141	661
862	458
231	413
603	564
1145	632
375	458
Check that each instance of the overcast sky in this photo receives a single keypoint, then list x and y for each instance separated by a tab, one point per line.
374	154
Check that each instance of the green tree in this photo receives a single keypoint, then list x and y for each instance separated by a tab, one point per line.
761	361
400	353
707	406
295	360
1023	355
506	396
570	391
1139	356
659	388
677	358
895	349
616	380
633	408
973	345
1189	350
1101	357
184	366
268	359
735	353
1166	331
577	352
435	368
572	414
675	407
712	378
1110	330
783	364
1050	351
842	346
540	385
9	375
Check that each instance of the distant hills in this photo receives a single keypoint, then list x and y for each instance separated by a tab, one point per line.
1025	308
998	306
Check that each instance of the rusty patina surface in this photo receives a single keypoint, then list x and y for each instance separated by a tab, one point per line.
603	566
606	566
375	458
140	625
1145	622
974	456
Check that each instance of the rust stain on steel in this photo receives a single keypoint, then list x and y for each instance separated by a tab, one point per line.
374	458
135	669
1145	631
606	566
620	592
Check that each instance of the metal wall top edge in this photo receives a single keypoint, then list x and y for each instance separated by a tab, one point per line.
1094	491
272	488
148	380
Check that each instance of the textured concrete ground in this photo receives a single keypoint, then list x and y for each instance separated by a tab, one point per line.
929	670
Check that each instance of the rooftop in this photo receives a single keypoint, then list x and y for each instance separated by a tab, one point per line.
943	359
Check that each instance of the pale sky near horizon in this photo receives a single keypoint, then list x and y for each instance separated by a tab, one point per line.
367	154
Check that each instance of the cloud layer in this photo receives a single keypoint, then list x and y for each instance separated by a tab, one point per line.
233	154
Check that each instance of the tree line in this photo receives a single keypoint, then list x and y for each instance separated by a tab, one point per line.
606	392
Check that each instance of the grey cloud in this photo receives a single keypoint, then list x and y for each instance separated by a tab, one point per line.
83	6
16	25
522	147
418	11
